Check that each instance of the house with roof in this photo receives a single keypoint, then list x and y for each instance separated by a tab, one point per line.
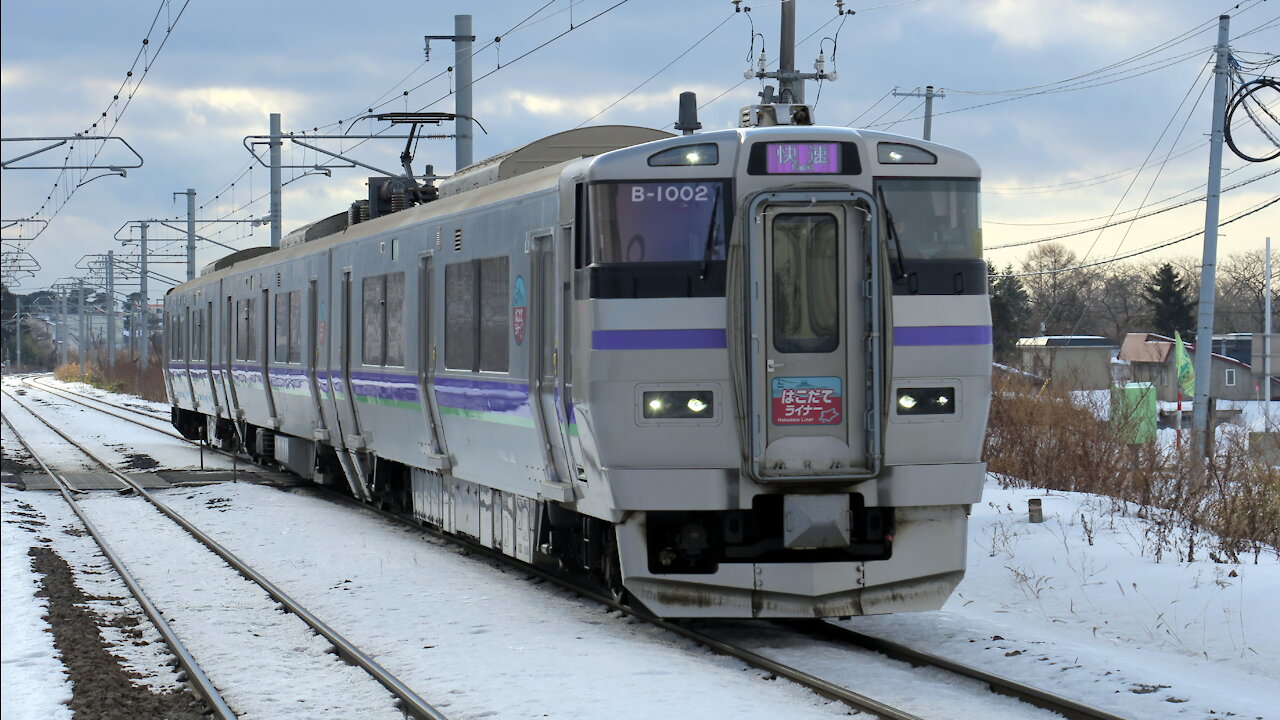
1069	362
1150	358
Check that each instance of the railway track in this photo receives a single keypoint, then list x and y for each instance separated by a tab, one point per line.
816	629
406	699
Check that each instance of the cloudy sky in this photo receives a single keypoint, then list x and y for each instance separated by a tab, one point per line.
1080	111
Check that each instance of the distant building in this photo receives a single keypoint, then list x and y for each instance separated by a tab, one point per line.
1070	362
1151	359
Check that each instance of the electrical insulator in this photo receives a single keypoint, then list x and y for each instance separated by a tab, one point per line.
839	7
763	63
820	62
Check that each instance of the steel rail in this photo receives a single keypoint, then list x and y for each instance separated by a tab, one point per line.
409	701
35	382
57	392
199	682
1025	693
1033	696
822	687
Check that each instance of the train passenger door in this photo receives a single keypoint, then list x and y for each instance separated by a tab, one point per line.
427	356
347	416
188	346
813	339
545	359
210	355
313	352
266	347
228	368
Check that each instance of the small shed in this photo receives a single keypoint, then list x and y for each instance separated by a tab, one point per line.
1070	362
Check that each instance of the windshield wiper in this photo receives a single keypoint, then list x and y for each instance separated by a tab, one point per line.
711	233
893	233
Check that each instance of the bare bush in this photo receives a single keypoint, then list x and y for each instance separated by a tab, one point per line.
1225	510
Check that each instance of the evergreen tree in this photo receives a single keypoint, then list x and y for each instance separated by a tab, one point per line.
1169	297
1010	311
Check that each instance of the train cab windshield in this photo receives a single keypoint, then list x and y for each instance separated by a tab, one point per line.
932	232
658	239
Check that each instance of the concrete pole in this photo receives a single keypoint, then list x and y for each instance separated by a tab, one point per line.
63	335
80	295
462	101
142	329
790	88
1266	339
111	312
1202	421
18	319
191	233
928	112
275	180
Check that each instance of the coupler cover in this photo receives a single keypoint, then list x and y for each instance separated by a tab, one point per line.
815	521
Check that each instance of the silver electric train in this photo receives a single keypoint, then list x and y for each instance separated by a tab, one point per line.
741	373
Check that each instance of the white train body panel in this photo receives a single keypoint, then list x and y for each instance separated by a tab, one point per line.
717	353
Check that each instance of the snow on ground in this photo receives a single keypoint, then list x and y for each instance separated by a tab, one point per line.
34	681
1073	606
124	444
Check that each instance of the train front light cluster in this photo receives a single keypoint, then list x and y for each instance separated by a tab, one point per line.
678	404
926	401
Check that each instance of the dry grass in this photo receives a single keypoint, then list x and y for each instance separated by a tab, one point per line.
128	376
1224	511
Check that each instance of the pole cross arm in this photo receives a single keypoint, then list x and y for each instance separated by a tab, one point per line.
265	139
63	140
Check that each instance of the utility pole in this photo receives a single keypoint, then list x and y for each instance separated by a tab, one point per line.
1266	340
1202	417
80	293
111	312
275	142
18	319
141	329
929	94
63	335
191	231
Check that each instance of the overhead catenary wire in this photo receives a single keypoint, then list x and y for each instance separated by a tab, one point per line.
147	60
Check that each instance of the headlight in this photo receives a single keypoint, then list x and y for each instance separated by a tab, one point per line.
678	404
926	401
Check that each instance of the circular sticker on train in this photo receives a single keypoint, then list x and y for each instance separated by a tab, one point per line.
519	308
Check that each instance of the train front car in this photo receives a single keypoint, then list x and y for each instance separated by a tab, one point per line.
788	381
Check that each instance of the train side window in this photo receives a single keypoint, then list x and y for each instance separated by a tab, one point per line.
282	327
581	248
246	348
495	313
460	346
374	317
394	329
250	328
295	327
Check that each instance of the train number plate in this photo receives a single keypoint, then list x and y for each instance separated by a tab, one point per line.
807	401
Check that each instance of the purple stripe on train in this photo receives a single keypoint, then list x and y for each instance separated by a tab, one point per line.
942	335
483	395
685	339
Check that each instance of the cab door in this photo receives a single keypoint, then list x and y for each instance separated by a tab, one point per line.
814	339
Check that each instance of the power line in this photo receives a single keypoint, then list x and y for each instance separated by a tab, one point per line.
1151	248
